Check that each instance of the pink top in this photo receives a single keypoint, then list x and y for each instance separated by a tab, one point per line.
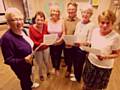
55	28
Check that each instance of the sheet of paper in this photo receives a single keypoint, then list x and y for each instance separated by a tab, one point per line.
49	39
91	50
34	51
80	39
69	39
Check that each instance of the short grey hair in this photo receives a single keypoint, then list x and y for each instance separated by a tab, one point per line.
11	12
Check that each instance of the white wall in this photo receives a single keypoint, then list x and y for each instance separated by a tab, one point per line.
14	3
103	5
44	5
2	10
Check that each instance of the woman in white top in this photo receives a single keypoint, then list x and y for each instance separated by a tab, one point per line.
82	32
55	26
98	67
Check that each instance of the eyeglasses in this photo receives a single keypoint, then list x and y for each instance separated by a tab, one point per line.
16	20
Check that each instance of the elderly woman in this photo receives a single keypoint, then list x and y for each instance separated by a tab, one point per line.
37	31
98	67
17	47
82	32
55	26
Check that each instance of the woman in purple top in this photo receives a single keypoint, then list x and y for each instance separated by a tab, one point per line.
16	48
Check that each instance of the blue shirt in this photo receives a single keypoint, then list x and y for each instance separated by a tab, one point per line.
14	48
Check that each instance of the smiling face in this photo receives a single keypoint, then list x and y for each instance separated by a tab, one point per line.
105	26
15	19
16	23
86	14
55	13
72	10
39	20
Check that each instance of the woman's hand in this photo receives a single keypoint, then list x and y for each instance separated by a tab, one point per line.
102	57
85	44
77	44
115	54
43	46
58	42
68	46
29	59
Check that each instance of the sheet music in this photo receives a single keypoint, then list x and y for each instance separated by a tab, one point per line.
91	50
34	51
81	38
49	39
69	39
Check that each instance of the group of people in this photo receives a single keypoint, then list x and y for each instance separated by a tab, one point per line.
95	69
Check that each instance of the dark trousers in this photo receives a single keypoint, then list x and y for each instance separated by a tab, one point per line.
23	72
78	62
68	58
55	53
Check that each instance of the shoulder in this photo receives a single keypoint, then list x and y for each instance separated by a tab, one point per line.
47	20
7	35
7	38
78	24
77	19
45	24
114	35
31	26
61	21
65	19
95	31
92	24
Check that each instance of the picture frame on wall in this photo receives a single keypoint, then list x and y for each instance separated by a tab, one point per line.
95	3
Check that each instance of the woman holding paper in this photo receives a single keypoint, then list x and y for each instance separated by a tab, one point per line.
82	33
55	26
98	67
37	31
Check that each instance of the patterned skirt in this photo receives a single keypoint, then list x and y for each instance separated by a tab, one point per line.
95	77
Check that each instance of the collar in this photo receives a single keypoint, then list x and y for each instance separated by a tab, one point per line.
72	19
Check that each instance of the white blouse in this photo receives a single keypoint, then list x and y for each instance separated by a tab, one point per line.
105	44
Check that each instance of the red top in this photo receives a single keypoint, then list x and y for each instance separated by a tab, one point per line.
37	36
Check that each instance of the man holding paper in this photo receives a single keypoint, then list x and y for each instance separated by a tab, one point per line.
70	24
